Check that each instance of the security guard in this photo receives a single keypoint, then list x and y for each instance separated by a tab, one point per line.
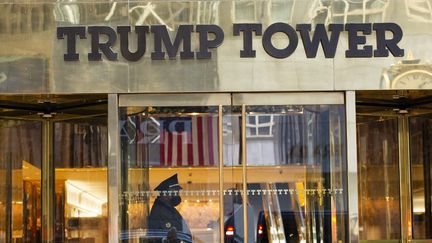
163	215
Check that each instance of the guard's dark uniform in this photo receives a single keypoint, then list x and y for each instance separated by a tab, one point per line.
163	214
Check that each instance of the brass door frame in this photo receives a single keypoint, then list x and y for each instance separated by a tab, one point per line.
47	169
174	100
352	169
48	194
405	178
114	174
232	99
404	163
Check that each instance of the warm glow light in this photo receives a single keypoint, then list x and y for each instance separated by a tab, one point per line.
260	229
85	204
230	230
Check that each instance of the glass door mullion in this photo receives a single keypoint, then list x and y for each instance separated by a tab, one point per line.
352	171
221	173
48	195
405	180
244	173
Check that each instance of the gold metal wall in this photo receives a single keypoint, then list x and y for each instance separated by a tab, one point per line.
31	56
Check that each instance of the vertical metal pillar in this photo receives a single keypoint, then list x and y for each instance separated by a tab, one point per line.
405	180
8	201
244	172
326	174
221	175
352	173
48	193
113	168
427	178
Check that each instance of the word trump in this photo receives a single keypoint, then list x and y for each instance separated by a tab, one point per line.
387	36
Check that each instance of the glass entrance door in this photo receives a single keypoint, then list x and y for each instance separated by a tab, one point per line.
197	167
20	180
295	167
170	167
393	137
53	169
421	175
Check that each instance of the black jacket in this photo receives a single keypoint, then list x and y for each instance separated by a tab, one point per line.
163	216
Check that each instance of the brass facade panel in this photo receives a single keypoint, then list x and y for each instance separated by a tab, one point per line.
39	67
113	169
352	166
291	98
170	99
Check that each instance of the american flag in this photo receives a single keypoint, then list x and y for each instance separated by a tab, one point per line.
189	141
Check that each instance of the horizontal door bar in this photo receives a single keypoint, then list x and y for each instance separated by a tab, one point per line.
311	98
196	99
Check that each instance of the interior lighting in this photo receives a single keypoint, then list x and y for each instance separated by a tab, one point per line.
230	231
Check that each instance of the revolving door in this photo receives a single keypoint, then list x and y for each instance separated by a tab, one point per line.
53	168
394	155
271	165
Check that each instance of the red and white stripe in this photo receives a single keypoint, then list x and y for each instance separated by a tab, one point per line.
198	147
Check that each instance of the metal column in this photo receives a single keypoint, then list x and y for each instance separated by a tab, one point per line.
405	180
244	172
113	168
48	194
351	134
221	174
8	208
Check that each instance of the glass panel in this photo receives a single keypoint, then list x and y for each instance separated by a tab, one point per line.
170	174
296	183
20	181
378	178
421	146
80	156
233	177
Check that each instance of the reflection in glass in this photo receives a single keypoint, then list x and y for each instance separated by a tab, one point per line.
233	227
20	181
378	178
81	200
420	152
169	159
295	177
359	11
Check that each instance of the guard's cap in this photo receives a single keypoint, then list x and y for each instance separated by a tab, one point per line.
169	184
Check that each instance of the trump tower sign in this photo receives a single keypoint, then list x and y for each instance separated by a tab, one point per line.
103	39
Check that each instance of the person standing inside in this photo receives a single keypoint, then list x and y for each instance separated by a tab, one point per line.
163	214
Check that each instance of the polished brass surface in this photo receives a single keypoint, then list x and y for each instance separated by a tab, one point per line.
113	169
244	172
49	109
401	105
48	195
40	68
312	98
405	180
351	134
141	100
221	173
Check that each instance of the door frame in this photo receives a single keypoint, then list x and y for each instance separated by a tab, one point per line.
117	101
